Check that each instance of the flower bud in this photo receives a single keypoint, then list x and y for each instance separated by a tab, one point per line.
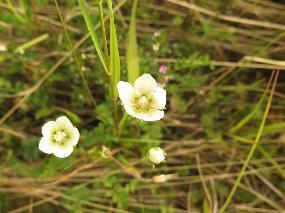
106	153
163	178
156	155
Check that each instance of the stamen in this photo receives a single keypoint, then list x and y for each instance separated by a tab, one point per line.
59	136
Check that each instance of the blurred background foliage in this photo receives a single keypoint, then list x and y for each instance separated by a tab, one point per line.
219	57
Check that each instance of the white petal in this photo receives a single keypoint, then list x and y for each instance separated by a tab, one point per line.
159	98
145	83
63	121
154	115
130	111
46	146
63	151
48	128
125	91
74	134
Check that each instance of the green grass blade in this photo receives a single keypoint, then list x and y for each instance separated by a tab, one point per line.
103	32
248	117
92	32
15	12
114	53
132	49
256	141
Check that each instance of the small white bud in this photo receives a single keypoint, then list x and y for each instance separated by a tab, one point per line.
156	155
163	178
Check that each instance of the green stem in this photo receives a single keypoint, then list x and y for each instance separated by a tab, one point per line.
253	148
115	107
122	123
21	49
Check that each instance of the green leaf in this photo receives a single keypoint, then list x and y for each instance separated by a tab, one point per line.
92	32
41	113
114	52
132	49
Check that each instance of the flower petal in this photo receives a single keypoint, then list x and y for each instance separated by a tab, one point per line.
145	83
159	98
74	134
154	115
46	146
125	91
48	128
130	111
64	122
63	151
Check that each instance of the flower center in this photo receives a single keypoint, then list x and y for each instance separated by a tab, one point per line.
59	136
143	101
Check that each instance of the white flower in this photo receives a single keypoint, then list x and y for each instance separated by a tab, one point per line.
145	100
156	155
156	47
156	34
59	137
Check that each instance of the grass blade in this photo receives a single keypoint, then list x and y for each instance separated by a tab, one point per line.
256	141
114	53
248	117
15	12
103	32
93	34
132	49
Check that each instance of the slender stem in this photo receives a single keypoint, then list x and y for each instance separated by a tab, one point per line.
256	141
114	102
107	59
116	116
34	17
122	123
29	44
76	59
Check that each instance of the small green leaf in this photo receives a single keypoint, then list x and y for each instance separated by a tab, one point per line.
132	49
114	52
92	32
